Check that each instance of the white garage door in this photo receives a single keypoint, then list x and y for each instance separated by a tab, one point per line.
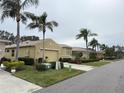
51	54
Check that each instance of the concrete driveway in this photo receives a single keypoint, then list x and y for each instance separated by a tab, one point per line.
11	84
79	67
106	79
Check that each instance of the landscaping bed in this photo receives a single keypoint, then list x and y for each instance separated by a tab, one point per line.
46	78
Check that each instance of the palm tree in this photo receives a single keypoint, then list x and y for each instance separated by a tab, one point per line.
13	9
94	43
84	33
42	24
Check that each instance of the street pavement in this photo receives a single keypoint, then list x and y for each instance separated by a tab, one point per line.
11	84
106	79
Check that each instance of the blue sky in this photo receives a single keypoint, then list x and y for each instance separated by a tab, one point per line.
105	17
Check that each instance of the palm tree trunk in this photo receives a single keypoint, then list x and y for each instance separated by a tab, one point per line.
43	46
18	31
18	40
87	48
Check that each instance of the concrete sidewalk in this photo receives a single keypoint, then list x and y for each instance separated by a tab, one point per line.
79	67
11	84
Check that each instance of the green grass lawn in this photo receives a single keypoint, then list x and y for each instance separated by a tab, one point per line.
46	78
98	63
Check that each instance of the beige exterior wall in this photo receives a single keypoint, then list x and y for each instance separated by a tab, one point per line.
51	50
23	52
66	52
2	49
85	55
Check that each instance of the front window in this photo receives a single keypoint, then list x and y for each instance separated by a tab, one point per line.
7	50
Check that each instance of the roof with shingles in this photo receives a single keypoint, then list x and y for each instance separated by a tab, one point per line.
81	49
64	45
27	43
5	41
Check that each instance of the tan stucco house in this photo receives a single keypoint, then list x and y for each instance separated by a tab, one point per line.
85	54
83	51
34	49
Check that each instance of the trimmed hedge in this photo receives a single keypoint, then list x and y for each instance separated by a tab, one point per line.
18	65
93	55
27	61
41	67
84	61
89	60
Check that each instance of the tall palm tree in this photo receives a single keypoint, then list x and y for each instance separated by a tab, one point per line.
13	9
94	43
42	24
85	33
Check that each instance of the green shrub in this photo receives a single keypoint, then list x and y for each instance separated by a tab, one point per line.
62	65
92	55
41	67
27	61
17	65
89	60
84	61
53	65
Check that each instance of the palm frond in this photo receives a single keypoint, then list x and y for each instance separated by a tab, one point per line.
9	4
40	27
83	33
54	23
23	19
32	26
93	34
6	14
29	2
31	16
9	9
42	18
78	36
50	27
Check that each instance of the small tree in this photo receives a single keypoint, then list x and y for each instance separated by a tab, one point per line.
42	24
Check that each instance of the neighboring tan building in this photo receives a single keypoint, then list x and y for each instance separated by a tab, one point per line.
85	54
78	51
34	49
66	51
3	43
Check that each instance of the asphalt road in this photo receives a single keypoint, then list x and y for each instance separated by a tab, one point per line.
106	79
